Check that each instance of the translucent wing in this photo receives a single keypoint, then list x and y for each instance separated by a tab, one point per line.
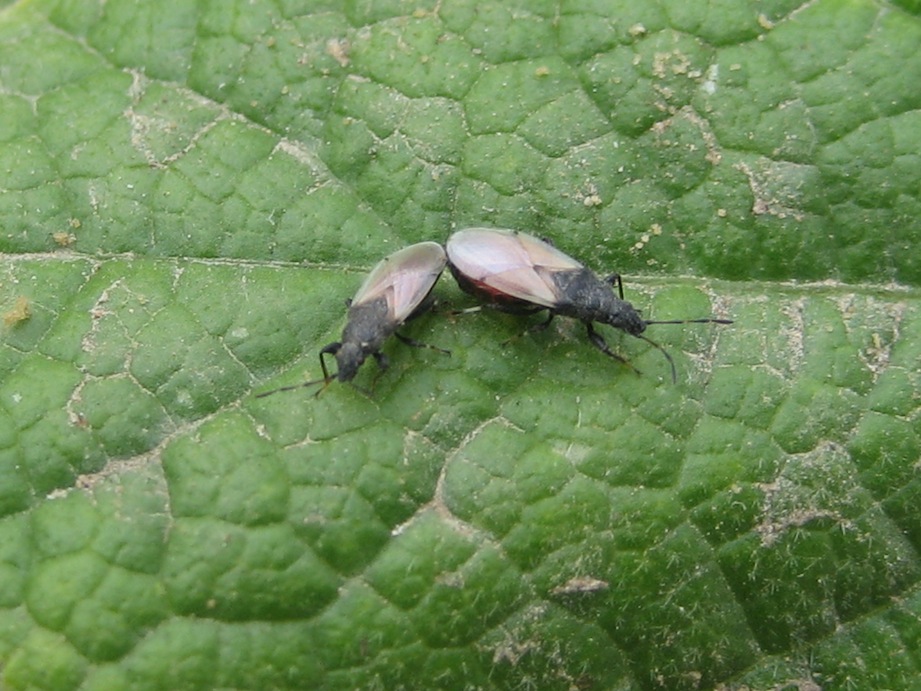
510	263
405	278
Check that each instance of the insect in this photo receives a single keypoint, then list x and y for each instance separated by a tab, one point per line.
517	272
397	289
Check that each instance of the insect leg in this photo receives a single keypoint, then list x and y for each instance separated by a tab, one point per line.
419	344
331	349
544	324
382	361
467	310
614	279
382	364
533	329
602	345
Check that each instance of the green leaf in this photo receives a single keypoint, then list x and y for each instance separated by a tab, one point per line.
189	193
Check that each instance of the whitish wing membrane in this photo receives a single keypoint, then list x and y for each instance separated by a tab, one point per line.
405	278
506	261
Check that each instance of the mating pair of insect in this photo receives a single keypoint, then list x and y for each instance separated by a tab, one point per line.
512	271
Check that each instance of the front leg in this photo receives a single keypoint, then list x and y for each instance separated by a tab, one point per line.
419	344
382	362
331	349
615	280
535	328
544	324
602	345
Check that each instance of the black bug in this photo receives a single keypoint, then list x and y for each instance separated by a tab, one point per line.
519	273
397	289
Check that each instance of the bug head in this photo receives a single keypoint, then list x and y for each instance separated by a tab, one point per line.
625	317
349	357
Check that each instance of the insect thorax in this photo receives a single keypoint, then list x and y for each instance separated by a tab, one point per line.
369	325
584	296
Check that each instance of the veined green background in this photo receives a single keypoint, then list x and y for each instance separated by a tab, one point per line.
189	191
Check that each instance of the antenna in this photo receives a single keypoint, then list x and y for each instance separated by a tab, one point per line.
325	381
709	320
